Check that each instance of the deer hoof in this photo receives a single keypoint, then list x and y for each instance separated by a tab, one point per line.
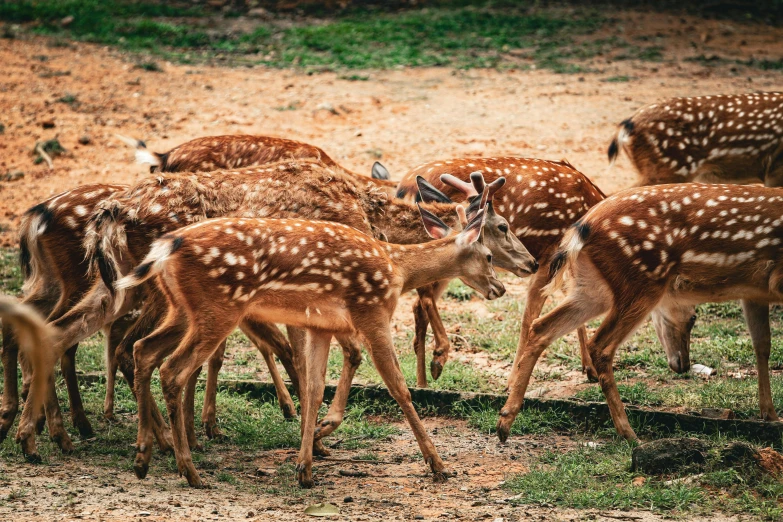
436	368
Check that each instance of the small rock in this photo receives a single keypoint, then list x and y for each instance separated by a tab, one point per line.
418	517
144	513
668	455
352	473
14	175
260	472
250	514
48	124
65	22
348	499
85	139
259	12
717	413
700	369
2	128
326	106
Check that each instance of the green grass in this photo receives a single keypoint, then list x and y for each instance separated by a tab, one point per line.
486	34
588	478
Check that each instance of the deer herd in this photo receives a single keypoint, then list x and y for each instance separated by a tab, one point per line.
252	232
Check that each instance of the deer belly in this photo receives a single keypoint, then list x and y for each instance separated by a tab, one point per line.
306	314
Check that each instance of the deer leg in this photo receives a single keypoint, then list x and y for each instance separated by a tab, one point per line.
317	350
757	317
587	364
27	378
270	341
352	358
114	333
615	328
570	314
442	345
421	322
208	412
195	349
78	416
189	410
379	339
87	317
148	354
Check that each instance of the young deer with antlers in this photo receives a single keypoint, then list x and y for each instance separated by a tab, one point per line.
717	139
540	200
233	152
324	277
662	250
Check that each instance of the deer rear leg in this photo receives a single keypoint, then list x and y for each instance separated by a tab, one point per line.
209	410
757	317
352	358
569	315
189	410
270	341
442	345
587	363
113	333
78	415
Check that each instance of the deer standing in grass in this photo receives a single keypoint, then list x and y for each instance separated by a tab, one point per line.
661	250
124	228
324	277
541	200
715	139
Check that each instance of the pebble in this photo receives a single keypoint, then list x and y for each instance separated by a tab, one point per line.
348	499
85	139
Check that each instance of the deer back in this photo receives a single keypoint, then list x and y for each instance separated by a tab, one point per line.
725	138
540	200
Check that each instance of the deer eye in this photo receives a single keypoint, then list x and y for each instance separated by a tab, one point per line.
503	227
489	258
692	320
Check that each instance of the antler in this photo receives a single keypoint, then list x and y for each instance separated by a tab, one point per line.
463	186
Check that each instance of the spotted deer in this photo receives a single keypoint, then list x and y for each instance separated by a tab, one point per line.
235	151
326	278
734	138
124	227
56	277
541	200
661	250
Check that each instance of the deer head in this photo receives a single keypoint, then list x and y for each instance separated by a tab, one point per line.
507	250
474	259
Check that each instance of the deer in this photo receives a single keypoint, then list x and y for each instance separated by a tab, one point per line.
170	201
734	138
541	200
55	277
661	249
327	278
235	151
33	336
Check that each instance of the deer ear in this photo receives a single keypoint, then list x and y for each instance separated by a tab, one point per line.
436	228
473	207
379	171
472	231
429	193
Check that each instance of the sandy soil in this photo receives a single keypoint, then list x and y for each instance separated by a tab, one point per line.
402	117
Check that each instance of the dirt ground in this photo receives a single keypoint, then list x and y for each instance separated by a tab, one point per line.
402	117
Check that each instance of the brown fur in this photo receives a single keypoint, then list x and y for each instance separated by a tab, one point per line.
662	250
725	139
540	200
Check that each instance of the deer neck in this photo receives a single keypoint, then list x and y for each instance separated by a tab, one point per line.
400	221
424	263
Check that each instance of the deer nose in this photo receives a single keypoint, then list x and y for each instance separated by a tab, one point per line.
534	267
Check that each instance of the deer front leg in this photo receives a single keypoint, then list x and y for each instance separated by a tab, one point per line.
381	348
209	411
189	410
114	334
442	345
78	416
421	322
757	317
352	358
317	350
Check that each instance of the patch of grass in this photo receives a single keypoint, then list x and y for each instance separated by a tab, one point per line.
458	291
599	478
10	272
617	79
638	394
529	421
68	99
